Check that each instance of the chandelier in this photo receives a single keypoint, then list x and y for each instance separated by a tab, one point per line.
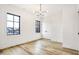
40	13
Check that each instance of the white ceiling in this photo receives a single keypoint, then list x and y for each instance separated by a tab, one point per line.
53	7
28	6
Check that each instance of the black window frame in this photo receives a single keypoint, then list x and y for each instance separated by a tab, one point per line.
13	23
37	26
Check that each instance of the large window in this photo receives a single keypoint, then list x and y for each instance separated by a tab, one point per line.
13	24
37	26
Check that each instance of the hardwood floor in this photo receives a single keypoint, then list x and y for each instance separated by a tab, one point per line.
39	47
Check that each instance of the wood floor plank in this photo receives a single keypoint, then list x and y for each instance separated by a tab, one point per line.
39	47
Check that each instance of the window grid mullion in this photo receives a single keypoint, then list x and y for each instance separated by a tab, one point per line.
13	24
19	24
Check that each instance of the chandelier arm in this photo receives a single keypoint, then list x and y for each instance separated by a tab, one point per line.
40	7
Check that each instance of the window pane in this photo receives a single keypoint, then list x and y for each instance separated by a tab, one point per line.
16	25
16	32
9	27
16	18
16	28
9	24
37	26
9	17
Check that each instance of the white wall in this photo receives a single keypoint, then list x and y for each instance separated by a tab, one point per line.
52	23
61	24
27	26
70	27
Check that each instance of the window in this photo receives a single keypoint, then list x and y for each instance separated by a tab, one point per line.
13	24
37	26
